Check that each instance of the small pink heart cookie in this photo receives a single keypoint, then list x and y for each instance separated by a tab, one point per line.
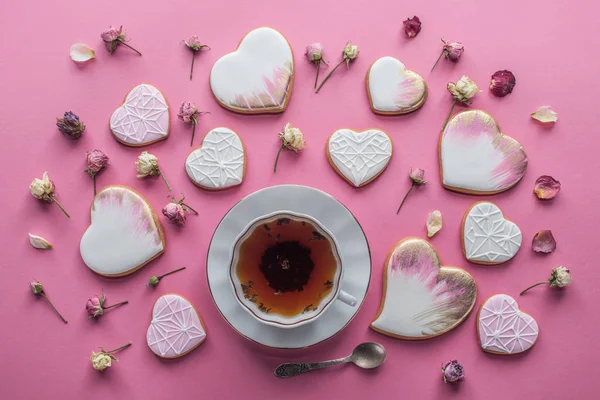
476	157
176	327
503	328
142	119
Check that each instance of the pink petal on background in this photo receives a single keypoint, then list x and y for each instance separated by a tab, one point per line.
543	242
546	187
545	115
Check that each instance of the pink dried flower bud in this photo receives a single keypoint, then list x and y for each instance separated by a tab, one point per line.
453	50
113	37
193	43
93	307
412	27
543	242
453	372
36	287
502	83
188	112
96	161
175	213
417	175
314	52
546	187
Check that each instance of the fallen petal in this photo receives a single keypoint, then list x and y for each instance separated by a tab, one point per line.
543	242
545	115
546	187
82	53
434	223
39	242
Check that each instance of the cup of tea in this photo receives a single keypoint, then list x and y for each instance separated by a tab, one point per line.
286	269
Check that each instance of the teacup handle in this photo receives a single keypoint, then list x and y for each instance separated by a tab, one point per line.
347	298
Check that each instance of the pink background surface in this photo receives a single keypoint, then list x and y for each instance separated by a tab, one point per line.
548	45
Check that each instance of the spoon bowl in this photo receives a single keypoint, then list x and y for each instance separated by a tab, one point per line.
368	355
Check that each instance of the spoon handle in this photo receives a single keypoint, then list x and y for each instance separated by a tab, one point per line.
292	369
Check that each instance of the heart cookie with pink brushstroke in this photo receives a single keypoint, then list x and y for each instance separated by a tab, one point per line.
477	158
503	328
392	89
422	298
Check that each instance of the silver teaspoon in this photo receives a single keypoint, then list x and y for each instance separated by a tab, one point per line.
366	355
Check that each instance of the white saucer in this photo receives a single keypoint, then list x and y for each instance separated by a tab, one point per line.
333	215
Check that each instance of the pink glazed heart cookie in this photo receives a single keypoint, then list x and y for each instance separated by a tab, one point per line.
503	328
392	89
421	298
176	327
476	157
142	119
258	77
125	233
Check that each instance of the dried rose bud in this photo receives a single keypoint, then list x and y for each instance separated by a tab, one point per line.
560	277
70	125
154	280
291	139
546	187
451	50
188	113
103	359
38	290
453	372
193	43
417	176
147	165
412	27
113	37
96	161
43	189
95	306
314	53
176	211
502	83
543	242
349	53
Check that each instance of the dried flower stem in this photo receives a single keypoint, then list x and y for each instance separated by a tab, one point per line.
116	305
53	307
405	196
59	206
317	78
449	115
277	159
532	286
94	179
171	272
189	208
120	348
194	123
165	179
438	60
192	69
126	45
329	74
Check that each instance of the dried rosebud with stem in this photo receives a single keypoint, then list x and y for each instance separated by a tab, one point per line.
96	162
546	187
43	189
147	165
416	176
176	211
544	242
188	113
37	289
291	139
452	50
154	280
314	55
453	372
412	27
502	83
462	92
103	359
70	125
349	54
560	277
113	37
193	43
94	307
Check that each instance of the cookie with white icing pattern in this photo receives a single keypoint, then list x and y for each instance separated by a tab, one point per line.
488	237
258	77
219	162
359	157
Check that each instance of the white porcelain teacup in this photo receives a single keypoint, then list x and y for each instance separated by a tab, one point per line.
286	270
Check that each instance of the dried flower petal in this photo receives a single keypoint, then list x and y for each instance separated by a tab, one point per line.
81	53
546	187
434	223
412	27
502	83
545	115
39	242
543	242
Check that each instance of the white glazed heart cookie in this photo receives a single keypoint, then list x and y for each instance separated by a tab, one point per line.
421	298
176	327
487	236
476	157
142	119
503	328
219	162
392	89
359	157
258	77
125	233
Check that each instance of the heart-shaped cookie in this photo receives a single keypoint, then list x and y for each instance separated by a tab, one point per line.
503	328
125	233
176	327
476	157
258	77
219	162
142	119
392	89
359	157
487	236
421	299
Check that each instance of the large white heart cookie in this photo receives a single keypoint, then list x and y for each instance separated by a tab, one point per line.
422	299
359	157
503	328
487	236
258	77
125	233
219	162
143	118
392	89
476	157
176	327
